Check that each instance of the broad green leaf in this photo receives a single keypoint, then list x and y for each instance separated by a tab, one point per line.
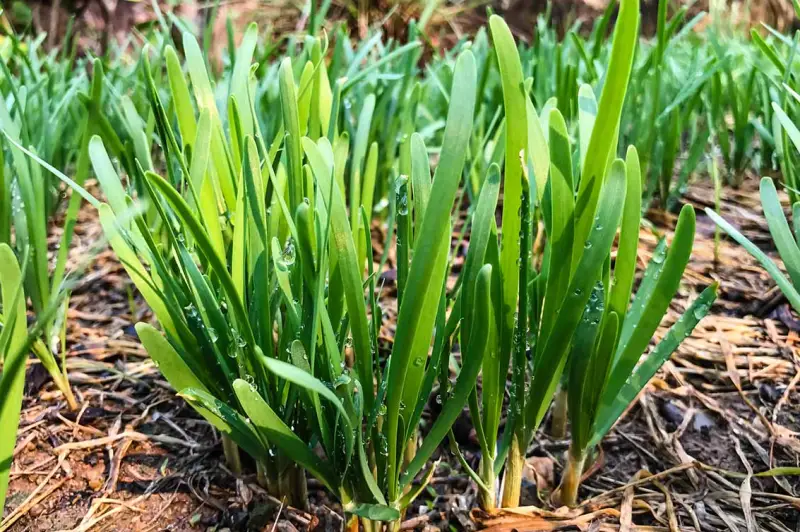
560	225
181	97
420	177
107	176
587	114
240	77
537	150
583	350
276	431
646	313
625	263
168	361
291	121
514	102
470	367
779	229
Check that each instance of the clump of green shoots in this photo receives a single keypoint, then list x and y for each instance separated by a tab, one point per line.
570	303
255	271
44	102
785	238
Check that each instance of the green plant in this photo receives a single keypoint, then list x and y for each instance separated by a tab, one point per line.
732	94
13	333
785	241
547	302
550	304
606	373
785	238
16	342
51	114
257	339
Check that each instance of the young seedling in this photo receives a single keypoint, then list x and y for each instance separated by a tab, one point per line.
784	237
605	373
542	308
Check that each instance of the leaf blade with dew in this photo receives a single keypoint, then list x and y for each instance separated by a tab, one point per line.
168	361
420	177
647	311
480	234
342	238
434	229
551	359
183	210
602	142
616	399
582	351
225	419
307	381
625	263
516	141
479	340
275	430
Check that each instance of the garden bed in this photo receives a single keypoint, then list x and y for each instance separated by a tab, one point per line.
136	457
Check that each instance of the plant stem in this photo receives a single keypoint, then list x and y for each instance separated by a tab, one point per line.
65	388
512	480
571	480
558	423
232	457
262	475
299	488
488	499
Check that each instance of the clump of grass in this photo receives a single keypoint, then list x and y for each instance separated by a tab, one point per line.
257	337
51	113
785	238
568	302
